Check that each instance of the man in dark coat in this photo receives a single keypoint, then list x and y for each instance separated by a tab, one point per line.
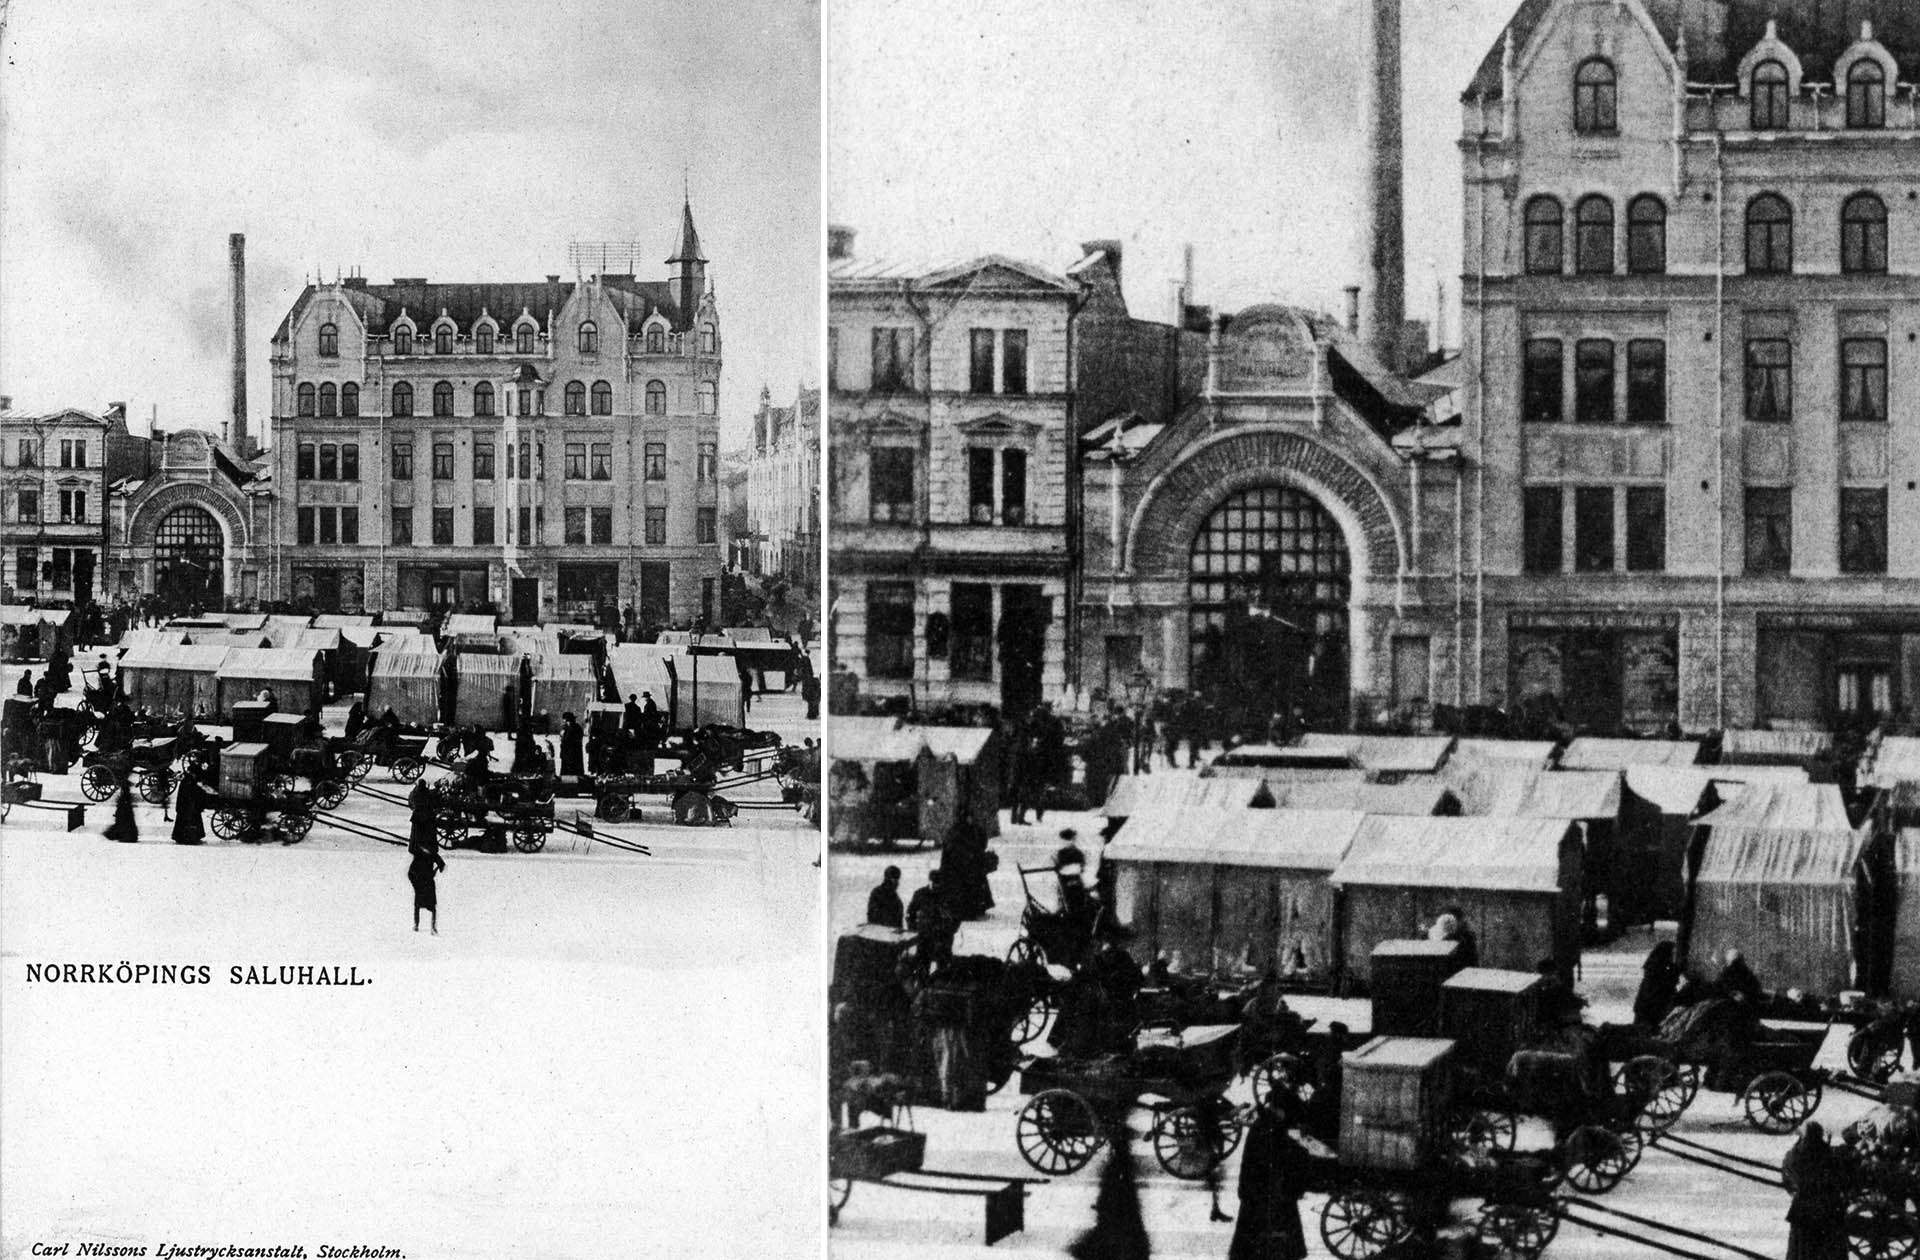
650	721
1817	1218
930	915
632	718
572	745
883	903
1273	1176
189	804
810	692
25	686
424	864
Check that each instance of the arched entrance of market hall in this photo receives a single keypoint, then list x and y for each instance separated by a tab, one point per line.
189	559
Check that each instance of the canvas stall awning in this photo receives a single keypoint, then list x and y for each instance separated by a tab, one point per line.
963	743
292	674
641	668
1760	774
255	640
240	620
406	681
1134	793
1783	807
480	688
1501	789
1782	896
1289	839
874	740
165	678
707	690
1421	794
1537	753
26	615
342	621
1501	854
470	623
1676	791
1404	754
317	639
141	637
1589	753
1767	747
747	634
680	638
1895	760
564	684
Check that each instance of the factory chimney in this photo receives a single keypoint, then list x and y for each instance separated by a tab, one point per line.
237	263
1383	287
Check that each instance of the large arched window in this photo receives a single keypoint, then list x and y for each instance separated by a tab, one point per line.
443	398
1545	250
329	400
1769	235
403	399
1866	94
403	340
350	399
1863	234
589	338
656	398
483	399
1769	97
303	399
329	341
189	551
1595	103
602	398
576	404
483	339
709	395
1593	237
1646	235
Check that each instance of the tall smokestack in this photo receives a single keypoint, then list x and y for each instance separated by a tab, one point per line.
237	263
1383	289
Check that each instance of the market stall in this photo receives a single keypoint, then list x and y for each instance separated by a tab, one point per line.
294	676
406	681
478	631
1894	759
1657	813
482	684
564	684
1416	794
1589	753
873	780
1180	789
1903	964
960	781
707	690
170	678
143	637
641	669
1536	753
31	634
1386	757
1812	751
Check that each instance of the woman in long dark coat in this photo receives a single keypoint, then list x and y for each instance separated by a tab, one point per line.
123	827
1817	1218
1273	1174
572	745
1659	980
188	806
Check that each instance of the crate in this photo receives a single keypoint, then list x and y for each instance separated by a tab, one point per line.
281	731
605	719
241	769
1393	1101
1405	979
247	717
870	1154
1491	1013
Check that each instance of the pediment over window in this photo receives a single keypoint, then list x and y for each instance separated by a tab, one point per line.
999	425
886	422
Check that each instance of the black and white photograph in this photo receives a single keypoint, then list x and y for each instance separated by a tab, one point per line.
1373	629
409	441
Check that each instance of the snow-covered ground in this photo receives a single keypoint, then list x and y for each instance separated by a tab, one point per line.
600	1054
881	1222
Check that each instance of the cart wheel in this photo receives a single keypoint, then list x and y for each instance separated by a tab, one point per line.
282	786
331	794
615	808
692	809
1475	1133
1286	1072
1033	1020
1359	1222
1690	1077
408	769
353	765
1873	1055
451	827
1514	1231
1185	1143
1656	1089
1595	1159
1057	1132
296	824
528	835
98	783
156	785
1024	953
1777	1101
229	824
1880	1228
724	810
839	1190
89	737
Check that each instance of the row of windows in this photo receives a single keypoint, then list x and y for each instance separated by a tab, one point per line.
1596	96
991	499
73	506
997	361
525	334
583	461
30	572
580	526
964	636
323	400
1769	236
1768	532
1768	392
73	453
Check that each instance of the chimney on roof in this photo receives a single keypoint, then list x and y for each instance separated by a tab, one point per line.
116	411
839	241
237	389
1383	290
1112	249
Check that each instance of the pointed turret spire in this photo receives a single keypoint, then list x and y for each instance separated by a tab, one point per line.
688	250
687	268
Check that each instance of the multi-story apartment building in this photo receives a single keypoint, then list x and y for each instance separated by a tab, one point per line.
549	449
1692	388
53	497
950	413
783	491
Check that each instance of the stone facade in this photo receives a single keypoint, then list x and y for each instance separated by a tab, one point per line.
783	492
191	521
53	504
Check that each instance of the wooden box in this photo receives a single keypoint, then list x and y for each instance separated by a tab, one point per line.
1491	1013
605	719
1393	1102
281	731
1405	980
247	717
870	1154
240	770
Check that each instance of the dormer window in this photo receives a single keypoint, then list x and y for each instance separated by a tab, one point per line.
589	338
709	339
656	340
403	340
443	339
483	339
1866	94
523	338
1595	87
329	341
1769	88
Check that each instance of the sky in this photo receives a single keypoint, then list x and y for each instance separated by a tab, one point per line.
1026	128
460	140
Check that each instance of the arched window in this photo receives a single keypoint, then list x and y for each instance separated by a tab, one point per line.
523	338
350	399
656	340
1769	92
709	339
329	400
1646	236
329	341
1769	235
403	399
1544	248
483	339
1866	94
589	338
602	398
1593	237
1594	97
443	398
709	398
443	339
576	404
1863	234
303	397
483	399
656	398
403	340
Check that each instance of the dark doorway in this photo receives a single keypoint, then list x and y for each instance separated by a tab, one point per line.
526	601
1024	614
656	587
1590	665
82	577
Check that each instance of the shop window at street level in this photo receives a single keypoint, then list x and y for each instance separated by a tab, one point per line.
970	632
890	629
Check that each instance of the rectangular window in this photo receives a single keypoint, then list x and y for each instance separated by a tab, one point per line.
833	359
601	461
709	469
403	461
73	506
890	629
329	462
980	362
350	462
600	523
1540	388
443	526
29	504
483	461
890	483
1646	382
574	524
1593	382
66	454
304	531
980	485
303	462
29	457
1540	529
526	454
706	525
1769	380
1014	370
402	527
1593	529
482	525
892	361
26	564
576	461
657	526
1769	530
526	525
329	525
62	568
1863	379
1863	530
443	461
1013	487
971	655
1646	529
656	461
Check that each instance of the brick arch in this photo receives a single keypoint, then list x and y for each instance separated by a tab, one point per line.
147	517
1179	500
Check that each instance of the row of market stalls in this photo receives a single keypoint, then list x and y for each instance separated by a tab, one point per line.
892	781
204	678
